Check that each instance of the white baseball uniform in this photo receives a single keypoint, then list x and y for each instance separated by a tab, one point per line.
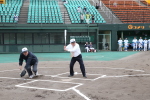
134	41
148	44
140	44
125	45
120	45
145	45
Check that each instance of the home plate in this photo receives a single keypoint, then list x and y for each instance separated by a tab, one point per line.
67	80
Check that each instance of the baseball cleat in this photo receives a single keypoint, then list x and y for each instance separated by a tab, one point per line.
31	76
85	76
70	75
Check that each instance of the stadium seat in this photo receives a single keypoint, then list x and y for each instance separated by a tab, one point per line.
75	16
45	11
8	10
129	11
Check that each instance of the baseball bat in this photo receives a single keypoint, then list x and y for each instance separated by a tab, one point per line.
65	35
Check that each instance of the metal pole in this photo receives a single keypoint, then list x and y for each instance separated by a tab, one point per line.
64	17
143	16
97	39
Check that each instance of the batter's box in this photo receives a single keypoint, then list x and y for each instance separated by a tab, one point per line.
79	76
49	85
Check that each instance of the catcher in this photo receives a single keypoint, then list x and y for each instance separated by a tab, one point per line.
31	60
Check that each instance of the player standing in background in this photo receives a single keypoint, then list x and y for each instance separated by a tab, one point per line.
120	44
145	44
134	44
140	44
126	44
148	44
75	51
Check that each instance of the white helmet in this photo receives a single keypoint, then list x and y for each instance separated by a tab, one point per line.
72	40
24	49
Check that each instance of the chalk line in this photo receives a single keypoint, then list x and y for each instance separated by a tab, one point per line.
118	68
99	77
81	94
21	85
8	70
126	76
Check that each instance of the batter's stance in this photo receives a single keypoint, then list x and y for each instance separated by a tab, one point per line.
75	51
31	60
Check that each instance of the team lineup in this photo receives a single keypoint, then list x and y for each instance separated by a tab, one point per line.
138	45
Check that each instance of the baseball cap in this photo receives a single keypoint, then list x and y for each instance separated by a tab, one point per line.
24	49
72	40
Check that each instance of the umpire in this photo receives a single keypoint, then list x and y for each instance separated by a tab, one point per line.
31	60
75	51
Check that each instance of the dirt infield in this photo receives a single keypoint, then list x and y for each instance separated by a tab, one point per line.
124	79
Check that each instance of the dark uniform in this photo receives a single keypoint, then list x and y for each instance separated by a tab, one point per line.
31	60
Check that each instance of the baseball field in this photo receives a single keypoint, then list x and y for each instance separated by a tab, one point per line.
110	76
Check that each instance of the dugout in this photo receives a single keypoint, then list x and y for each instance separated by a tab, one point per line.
45	38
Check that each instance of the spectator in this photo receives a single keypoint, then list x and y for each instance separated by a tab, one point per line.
65	2
96	6
115	4
16	17
91	47
107	46
79	10
84	10
93	18
88	16
82	18
86	46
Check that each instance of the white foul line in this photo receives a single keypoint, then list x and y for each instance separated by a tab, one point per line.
126	76
51	67
8	70
118	68
81	94
99	77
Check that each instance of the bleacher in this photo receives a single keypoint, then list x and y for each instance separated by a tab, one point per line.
75	16
8	10
44	11
129	11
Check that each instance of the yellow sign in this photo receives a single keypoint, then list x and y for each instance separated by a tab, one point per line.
148	1
135	27
2	1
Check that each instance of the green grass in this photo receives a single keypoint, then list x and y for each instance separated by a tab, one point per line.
100	56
